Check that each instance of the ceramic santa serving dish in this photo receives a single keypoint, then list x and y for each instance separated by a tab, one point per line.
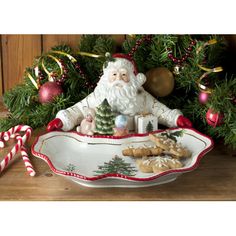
98	161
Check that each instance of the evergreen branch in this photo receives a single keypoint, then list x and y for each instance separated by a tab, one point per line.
22	101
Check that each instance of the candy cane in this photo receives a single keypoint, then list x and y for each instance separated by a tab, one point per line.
9	156
18	146
25	156
2	145
27	162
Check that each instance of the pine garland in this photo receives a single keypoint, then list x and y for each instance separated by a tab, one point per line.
185	94
22	101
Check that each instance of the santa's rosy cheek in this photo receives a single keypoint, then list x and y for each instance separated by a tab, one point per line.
125	78
112	78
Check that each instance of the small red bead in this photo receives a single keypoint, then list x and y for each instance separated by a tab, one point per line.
193	42
175	60
189	48
64	76
170	55
59	82
179	61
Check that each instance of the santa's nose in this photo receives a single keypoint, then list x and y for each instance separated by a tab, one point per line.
118	76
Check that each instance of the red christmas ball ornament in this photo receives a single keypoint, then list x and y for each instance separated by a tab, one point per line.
203	97
214	118
49	91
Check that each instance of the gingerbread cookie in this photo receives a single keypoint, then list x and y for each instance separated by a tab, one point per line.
170	146
173	163
157	164
145	165
142	151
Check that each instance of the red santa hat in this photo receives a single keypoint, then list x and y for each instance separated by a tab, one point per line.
127	57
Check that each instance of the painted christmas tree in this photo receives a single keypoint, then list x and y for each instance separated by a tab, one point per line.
116	166
149	127
104	119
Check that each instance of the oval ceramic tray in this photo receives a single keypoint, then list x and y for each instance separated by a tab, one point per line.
97	161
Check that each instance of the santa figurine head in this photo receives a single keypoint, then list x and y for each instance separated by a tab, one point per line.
120	84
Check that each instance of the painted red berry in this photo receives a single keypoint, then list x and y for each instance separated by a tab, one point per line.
175	60
64	76
189	48
187	54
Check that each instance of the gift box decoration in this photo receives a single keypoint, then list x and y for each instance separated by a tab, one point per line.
145	123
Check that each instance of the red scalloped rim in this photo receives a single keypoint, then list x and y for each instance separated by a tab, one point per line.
82	177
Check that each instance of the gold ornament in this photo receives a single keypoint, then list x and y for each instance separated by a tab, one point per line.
160	82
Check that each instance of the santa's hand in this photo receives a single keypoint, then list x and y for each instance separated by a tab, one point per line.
55	124
184	122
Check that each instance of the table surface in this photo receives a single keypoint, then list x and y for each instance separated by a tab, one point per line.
214	179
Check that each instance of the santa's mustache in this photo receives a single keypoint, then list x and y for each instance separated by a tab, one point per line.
118	83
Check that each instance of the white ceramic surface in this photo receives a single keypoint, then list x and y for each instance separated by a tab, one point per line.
78	157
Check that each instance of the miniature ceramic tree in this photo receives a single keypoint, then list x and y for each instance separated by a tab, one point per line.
104	119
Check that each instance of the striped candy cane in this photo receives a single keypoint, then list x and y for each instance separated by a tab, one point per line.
10	155
25	156
27	162
13	132
2	144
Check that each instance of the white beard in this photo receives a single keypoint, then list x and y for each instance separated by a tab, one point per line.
121	96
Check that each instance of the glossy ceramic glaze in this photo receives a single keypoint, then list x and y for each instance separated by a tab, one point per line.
78	157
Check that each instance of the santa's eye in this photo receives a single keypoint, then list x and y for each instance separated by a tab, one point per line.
123	74
114	74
